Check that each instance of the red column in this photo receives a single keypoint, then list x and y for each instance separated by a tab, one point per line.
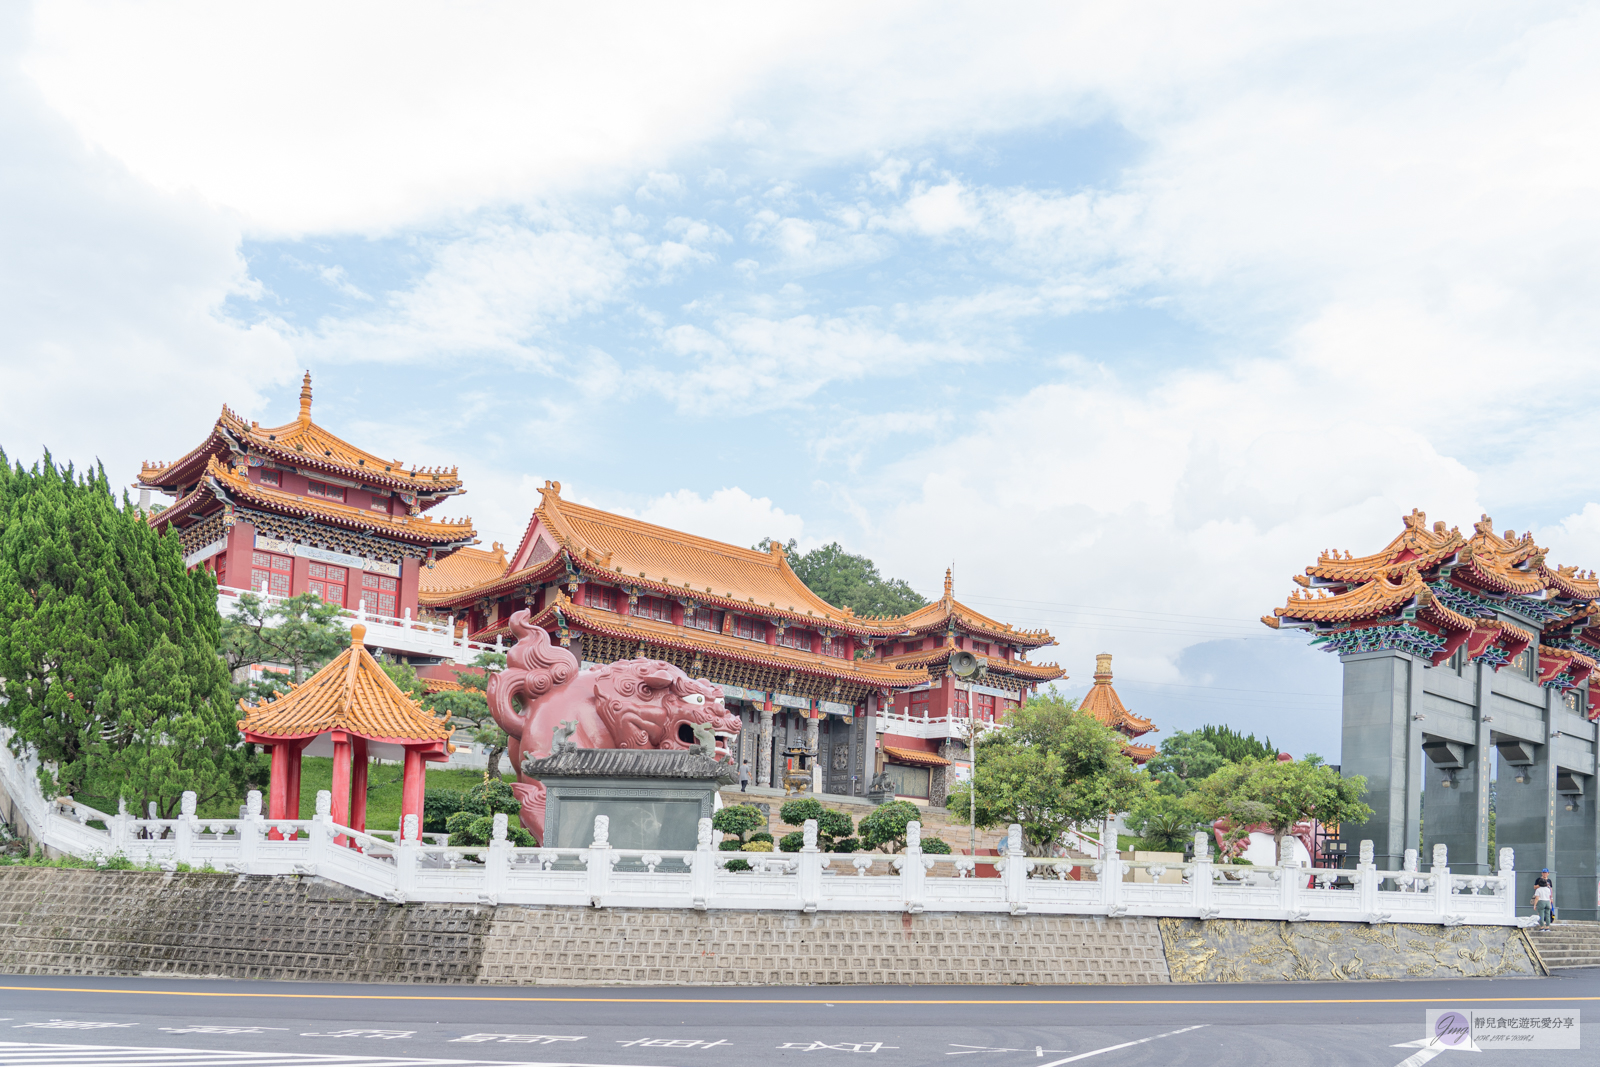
292	751
358	787
277	791
341	781
412	788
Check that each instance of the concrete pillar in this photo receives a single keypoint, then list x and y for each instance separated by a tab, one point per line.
358	785
764	749
1456	815
1382	741
414	781
812	745
1525	815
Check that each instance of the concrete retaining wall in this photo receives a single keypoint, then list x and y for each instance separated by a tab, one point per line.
199	924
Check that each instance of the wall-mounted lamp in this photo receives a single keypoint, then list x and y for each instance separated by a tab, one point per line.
1449	779
1522	776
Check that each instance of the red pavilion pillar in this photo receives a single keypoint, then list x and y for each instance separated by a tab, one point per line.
411	791
278	787
341	781
291	753
358	786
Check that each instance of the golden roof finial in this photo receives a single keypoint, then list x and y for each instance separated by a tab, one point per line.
949	582
1102	669
305	398
358	634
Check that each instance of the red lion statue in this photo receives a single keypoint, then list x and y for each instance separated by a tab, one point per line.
633	703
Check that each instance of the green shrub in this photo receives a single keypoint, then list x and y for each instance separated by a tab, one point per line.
885	827
832	826
468	828
741	820
846	844
732	844
761	835
437	807
937	846
792	842
757	846
737	865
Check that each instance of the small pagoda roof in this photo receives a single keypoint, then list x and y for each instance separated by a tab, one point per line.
462	569
302	444
629	763
351	694
1106	706
947	611
930	657
233	486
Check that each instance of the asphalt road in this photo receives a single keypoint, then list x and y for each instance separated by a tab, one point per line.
186	1023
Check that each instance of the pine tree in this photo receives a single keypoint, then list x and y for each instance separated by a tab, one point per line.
108	646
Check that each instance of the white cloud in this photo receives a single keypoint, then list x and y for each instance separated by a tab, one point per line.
730	515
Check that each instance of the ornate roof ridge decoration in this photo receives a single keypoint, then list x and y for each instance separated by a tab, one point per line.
233	486
352	693
940	614
1107	707
567	615
1431	591
302	443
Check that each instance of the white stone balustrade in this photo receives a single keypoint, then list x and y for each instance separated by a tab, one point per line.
403	634
603	875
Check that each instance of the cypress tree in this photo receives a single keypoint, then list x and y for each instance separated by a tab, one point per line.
108	646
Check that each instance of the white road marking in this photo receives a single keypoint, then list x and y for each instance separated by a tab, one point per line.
1125	1044
27	1054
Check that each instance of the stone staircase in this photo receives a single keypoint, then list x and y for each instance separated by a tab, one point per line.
1568	944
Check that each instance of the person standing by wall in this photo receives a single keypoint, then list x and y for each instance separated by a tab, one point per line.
1544	898
744	777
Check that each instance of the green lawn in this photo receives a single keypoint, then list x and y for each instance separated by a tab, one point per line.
383	788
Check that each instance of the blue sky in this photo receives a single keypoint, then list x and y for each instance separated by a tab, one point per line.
1125	313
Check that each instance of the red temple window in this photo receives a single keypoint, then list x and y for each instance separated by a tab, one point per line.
980	647
324	490
983	706
272	570
654	607
271	477
835	647
379	503
328	582
380	593
800	639
919	704
603	597
752	628
703	619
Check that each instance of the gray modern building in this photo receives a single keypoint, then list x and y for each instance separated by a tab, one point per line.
1467	665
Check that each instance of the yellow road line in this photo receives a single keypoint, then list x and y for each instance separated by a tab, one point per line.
836	1001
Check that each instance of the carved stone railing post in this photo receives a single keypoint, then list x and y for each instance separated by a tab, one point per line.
119	829
810	874
913	875
250	833
183	843
703	875
1110	874
1508	885
497	863
599	859
321	831
1410	864
1015	876
405	857
1367	883
1289	880
1441	882
1200	877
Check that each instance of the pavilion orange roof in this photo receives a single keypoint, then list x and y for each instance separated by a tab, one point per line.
352	694
927	657
302	443
1105	705
462	569
940	614
235	486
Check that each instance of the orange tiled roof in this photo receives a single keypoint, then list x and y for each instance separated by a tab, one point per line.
1139	753
302	443
237	486
939	614
1042	672
915	756
630	551
352	694
462	569
724	646
1105	705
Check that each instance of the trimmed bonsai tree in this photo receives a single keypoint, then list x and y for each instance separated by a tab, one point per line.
885	827
833	827
740	820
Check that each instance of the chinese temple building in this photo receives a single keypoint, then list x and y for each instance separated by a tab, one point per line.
352	711
1459	652
800	673
294	509
1104	704
925	744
